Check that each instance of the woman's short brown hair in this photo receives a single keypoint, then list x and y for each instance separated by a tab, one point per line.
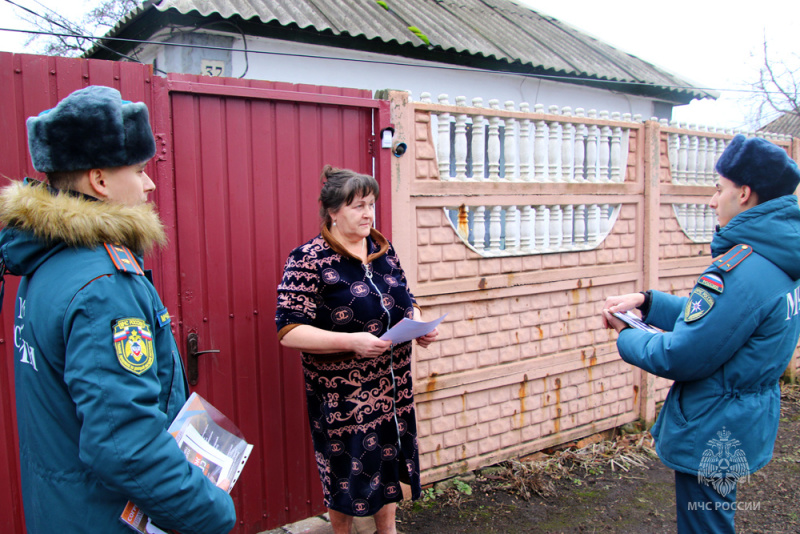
340	187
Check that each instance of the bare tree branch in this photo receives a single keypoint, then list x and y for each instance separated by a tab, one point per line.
778	88
97	21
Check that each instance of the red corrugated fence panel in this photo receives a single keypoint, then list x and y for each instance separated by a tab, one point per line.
237	172
247	172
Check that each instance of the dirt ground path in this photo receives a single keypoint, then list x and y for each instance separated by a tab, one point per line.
593	498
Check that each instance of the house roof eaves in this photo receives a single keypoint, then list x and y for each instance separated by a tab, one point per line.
553	49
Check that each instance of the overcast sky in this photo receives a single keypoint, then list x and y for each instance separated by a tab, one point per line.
717	45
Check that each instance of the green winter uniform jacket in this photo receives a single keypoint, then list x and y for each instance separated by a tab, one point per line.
726	346
98	376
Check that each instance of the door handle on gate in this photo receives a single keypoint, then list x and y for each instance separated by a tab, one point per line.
192	355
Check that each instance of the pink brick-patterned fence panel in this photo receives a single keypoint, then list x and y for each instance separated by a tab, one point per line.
523	362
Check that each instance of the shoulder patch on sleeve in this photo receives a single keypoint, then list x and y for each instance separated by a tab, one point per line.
133	343
163	317
733	257
699	304
712	281
123	259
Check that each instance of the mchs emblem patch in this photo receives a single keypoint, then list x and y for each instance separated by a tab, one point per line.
133	343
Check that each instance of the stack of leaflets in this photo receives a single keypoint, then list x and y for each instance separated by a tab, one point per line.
211	442
633	320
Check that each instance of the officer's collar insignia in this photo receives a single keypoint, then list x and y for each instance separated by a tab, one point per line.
123	259
133	343
699	304
712	281
733	257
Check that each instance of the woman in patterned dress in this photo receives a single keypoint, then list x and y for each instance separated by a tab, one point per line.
340	292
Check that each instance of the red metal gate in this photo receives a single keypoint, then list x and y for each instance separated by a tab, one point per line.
237	171
247	165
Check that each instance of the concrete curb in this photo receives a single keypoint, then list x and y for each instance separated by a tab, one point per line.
321	525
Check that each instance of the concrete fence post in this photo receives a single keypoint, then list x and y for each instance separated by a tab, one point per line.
651	204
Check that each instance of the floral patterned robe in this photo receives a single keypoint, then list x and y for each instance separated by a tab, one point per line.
361	411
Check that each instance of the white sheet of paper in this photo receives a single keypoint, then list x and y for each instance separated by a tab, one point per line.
409	329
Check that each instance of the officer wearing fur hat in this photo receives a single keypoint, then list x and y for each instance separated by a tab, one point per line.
727	344
98	376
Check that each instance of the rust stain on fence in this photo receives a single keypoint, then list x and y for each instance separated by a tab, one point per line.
463	221
557	421
576	294
431	385
592	362
523	392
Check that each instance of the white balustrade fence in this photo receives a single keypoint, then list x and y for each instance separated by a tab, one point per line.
479	144
698	221
523	229
694	151
485	144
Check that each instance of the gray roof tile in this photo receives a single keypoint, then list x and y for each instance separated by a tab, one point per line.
499	30
788	124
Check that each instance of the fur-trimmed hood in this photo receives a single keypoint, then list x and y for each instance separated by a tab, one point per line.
34	213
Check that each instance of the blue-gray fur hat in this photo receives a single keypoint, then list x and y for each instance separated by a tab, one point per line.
92	128
762	165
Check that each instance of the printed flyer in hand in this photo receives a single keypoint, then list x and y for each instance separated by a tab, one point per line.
211	442
631	319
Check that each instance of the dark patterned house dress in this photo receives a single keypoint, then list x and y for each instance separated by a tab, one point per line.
361	411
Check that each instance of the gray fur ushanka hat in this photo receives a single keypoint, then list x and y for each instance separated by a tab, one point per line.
762	165
92	128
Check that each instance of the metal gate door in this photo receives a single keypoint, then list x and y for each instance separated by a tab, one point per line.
247	162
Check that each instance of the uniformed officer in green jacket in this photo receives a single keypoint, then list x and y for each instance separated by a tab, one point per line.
727	344
98	376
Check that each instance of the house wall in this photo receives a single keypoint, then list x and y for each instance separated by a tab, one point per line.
522	361
300	63
196	47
